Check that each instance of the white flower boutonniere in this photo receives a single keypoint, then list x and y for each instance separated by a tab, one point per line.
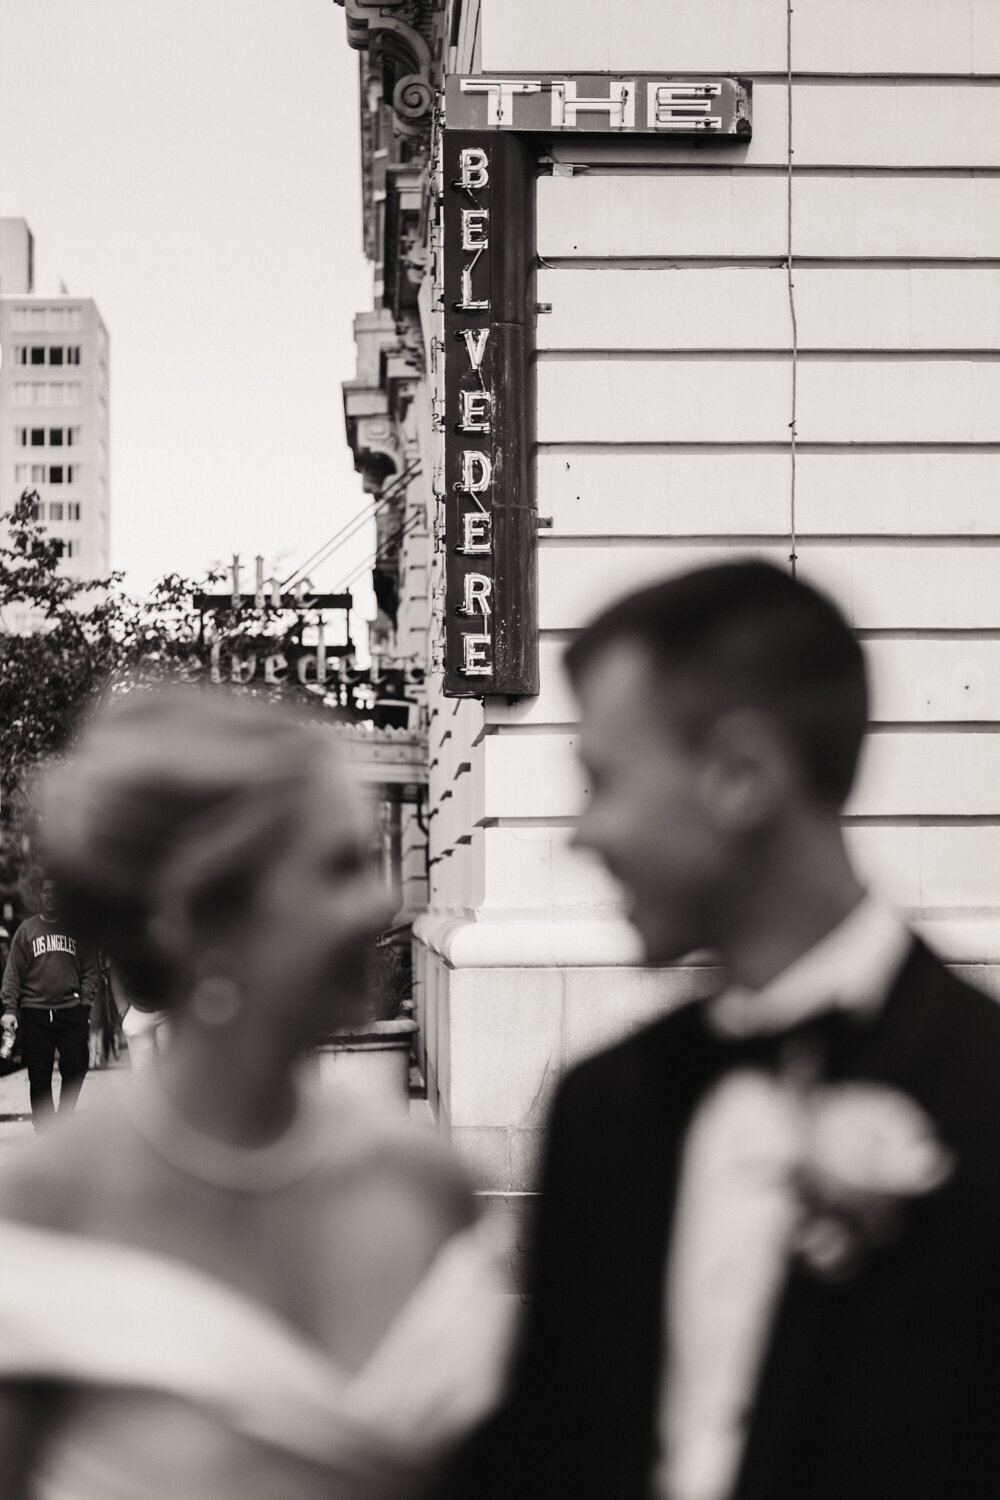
868	1151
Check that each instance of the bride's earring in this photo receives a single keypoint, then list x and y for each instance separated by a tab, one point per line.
216	1000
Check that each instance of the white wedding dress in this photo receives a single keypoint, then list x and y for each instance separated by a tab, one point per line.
178	1386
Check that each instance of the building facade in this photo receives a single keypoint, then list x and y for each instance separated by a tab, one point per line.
776	334
54	420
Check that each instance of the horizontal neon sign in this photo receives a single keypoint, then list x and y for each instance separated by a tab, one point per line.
702	108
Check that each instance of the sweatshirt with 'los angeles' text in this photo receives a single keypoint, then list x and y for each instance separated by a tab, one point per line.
47	969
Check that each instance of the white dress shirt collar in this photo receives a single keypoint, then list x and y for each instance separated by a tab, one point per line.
852	969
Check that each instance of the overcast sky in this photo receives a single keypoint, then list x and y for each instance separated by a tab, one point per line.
193	165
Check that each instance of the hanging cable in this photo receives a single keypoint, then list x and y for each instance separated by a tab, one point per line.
377	557
327	548
343	536
359	519
383	502
792	426
406	526
403	530
365	513
348	530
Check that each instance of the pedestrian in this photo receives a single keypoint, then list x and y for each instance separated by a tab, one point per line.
768	1249
49	984
286	1296
146	1031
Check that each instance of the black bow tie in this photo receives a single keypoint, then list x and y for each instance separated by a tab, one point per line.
807	1051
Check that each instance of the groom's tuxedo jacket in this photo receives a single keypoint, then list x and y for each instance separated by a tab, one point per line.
881	1386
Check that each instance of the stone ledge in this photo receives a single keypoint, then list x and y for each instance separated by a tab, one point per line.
584	942
603	941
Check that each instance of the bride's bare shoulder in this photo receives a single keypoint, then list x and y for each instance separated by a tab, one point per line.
404	1167
49	1181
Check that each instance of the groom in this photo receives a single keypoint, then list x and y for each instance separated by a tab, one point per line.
767	1261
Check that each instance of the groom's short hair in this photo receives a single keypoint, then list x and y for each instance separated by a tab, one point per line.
748	635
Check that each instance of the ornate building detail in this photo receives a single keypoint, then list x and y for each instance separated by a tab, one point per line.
371	429
401	40
404	254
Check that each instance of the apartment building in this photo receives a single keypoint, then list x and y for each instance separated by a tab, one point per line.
54	421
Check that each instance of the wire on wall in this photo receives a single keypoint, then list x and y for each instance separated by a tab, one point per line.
793	424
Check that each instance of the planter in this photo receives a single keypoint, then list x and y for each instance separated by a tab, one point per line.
373	1063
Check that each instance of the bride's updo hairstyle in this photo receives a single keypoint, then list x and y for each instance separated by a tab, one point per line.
159	827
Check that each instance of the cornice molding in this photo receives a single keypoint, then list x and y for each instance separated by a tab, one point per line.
389	367
401	39
403	255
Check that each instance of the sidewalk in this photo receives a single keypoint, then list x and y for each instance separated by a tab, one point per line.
15	1112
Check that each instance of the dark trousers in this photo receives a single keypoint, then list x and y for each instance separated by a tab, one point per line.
42	1033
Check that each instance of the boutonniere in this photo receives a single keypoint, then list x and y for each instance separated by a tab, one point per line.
868	1153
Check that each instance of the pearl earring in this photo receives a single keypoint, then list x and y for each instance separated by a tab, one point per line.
216	1000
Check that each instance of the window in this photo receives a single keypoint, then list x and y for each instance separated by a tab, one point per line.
73	510
62	393
51	319
34	511
62	355
21	436
39	474
29	393
55	437
37	354
46	319
72	436
38	437
56	511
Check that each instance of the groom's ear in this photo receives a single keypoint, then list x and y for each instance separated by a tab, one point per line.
751	773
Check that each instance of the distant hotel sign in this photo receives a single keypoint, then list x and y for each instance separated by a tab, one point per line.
491	628
541	103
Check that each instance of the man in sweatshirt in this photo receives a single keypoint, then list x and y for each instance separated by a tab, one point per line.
48	988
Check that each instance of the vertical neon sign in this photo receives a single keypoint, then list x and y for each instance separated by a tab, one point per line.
491	629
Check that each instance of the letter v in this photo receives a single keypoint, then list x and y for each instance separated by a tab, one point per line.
475	343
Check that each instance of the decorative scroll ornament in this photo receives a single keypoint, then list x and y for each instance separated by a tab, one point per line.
413	98
398	36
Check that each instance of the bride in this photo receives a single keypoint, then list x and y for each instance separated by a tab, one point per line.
222	1285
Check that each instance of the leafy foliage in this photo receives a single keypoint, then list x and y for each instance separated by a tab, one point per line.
53	670
81	639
